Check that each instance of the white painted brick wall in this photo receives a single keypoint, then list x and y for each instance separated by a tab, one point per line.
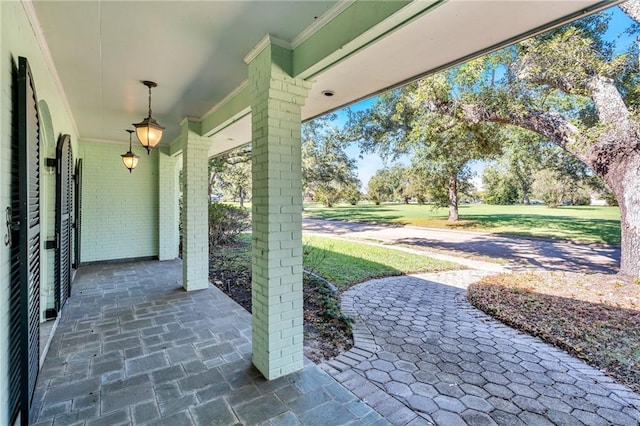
168	207
195	240
5	200
17	39
277	214
119	209
47	215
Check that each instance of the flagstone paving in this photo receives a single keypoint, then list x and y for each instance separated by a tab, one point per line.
444	362
132	347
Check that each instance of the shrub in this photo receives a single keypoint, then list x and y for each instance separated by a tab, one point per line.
226	223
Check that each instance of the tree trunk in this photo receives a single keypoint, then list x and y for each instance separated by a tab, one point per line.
241	197
631	8
211	181
453	197
625	183
613	156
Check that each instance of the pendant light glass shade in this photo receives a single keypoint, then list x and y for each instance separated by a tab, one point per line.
148	131
130	159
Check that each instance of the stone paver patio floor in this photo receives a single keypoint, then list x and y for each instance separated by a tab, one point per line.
419	340
133	348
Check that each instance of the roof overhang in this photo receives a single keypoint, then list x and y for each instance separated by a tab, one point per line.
196	53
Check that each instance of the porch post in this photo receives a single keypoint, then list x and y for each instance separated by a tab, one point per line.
168	238
277	212
195	241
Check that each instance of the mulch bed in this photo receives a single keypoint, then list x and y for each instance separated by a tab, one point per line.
327	332
594	317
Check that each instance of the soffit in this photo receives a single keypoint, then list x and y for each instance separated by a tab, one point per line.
194	50
445	35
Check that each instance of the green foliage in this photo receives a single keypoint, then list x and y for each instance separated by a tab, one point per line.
610	198
499	187
351	194
525	156
550	187
380	188
400	123
230	175
391	184
313	260
226	223
328	174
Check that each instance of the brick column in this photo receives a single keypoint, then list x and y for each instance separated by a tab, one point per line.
168	206
277	212
195	241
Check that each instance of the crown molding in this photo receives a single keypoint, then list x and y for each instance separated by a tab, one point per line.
319	23
48	59
266	41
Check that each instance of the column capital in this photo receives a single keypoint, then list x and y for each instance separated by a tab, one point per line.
190	127
266	41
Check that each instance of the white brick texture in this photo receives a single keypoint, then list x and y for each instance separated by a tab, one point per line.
277	213
168	217
195	230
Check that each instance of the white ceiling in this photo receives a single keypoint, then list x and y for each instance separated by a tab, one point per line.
194	50
440	38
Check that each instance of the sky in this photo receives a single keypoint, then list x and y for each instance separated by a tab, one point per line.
369	163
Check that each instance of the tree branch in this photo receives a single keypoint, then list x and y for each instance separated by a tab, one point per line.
607	100
553	126
631	8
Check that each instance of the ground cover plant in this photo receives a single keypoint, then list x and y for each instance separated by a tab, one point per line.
593	317
593	224
327	330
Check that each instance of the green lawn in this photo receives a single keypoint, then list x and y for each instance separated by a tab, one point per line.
599	224
346	263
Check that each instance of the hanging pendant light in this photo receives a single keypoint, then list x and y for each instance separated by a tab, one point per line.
148	131
130	159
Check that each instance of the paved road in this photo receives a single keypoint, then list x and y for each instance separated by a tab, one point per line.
540	253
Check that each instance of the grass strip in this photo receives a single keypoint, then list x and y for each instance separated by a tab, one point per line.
346	263
592	224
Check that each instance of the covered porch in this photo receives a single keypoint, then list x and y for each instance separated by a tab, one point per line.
289	65
133	347
228	74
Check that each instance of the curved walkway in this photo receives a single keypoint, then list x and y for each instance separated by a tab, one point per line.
446	363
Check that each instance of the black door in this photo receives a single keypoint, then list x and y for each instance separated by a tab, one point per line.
24	238
64	219
77	205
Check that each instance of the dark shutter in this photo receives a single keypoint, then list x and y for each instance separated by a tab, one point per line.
78	213
12	239
64	203
28	135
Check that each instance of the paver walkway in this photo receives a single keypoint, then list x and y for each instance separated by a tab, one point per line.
132	347
445	362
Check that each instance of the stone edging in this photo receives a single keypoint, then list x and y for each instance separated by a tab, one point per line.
364	345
